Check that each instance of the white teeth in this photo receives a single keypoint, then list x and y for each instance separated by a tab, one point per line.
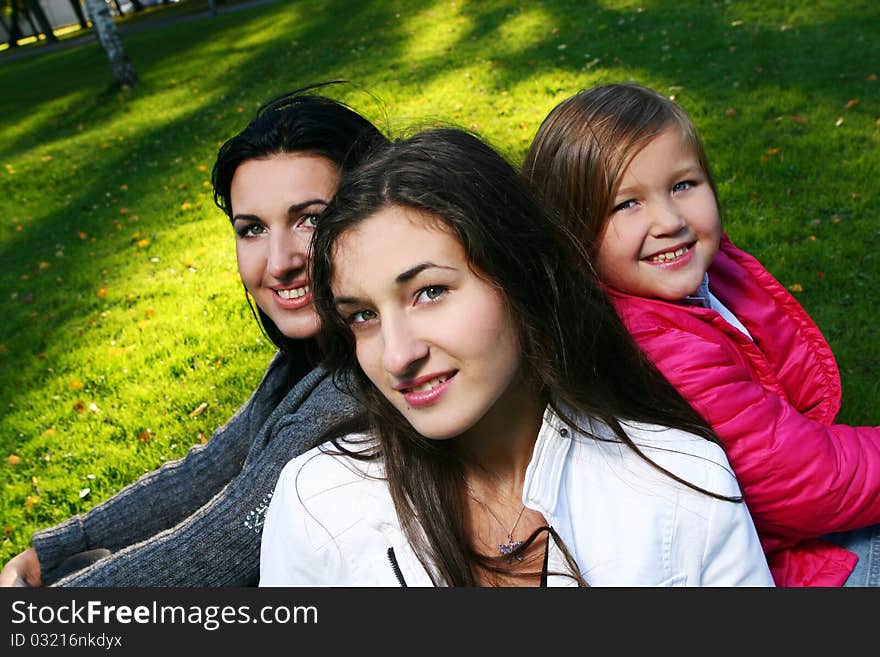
669	255
433	383
294	293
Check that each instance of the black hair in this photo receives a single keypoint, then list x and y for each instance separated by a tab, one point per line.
299	121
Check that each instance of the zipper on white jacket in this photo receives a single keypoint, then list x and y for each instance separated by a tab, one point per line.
396	567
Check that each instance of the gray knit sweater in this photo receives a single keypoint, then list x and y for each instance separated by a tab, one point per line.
197	521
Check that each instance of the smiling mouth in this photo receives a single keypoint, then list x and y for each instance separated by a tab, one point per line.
293	293
666	256
429	385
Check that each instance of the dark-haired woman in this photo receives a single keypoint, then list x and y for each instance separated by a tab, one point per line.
517	436
197	521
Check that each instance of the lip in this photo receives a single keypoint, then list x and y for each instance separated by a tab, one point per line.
676	263
426	397
292	304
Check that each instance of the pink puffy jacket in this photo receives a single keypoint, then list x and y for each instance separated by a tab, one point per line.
773	403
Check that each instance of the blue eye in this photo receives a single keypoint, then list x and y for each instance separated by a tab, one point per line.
682	186
623	206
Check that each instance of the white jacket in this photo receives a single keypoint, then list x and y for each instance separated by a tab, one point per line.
331	520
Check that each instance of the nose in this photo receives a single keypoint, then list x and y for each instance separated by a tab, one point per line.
403	350
287	254
667	218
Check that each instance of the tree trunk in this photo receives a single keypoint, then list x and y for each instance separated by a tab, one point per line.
108	37
42	19
137	5
14	30
80	16
118	7
30	18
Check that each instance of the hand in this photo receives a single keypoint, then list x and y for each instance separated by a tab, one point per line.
22	570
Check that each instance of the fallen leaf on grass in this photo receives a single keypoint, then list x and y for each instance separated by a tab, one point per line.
102	292
796	287
838	122
13	459
84	492
75	385
30	500
145	436
851	103
198	410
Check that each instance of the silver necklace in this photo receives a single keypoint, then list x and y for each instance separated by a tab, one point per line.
511	546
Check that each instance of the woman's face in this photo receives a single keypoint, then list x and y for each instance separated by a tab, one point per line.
275	202
437	340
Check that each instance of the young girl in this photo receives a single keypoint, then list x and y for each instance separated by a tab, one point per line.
197	521
517	435
626	171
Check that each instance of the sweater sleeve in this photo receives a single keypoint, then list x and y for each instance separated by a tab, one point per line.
801	478
219	544
159	499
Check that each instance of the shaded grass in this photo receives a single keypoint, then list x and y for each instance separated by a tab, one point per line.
122	309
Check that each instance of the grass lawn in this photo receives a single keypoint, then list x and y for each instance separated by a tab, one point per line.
126	337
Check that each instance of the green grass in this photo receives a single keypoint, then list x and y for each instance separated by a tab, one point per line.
122	311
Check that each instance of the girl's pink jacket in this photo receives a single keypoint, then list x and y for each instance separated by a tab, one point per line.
773	403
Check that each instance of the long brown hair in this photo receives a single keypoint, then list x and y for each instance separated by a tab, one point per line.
582	148
575	349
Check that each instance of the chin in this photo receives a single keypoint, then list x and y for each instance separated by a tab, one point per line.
437	430
300	328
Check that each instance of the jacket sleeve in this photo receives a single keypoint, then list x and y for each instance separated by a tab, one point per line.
733	554
801	478
296	549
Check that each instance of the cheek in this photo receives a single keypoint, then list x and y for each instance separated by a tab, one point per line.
606	255
250	262
491	332
369	357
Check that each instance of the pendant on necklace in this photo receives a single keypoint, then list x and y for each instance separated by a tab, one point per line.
510	547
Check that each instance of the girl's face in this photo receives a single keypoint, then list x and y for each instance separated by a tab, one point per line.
664	230
432	336
275	202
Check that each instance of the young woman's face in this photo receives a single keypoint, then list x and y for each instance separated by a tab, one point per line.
275	202
664	230
432	336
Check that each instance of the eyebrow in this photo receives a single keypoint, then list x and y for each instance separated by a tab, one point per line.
292	210
400	279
